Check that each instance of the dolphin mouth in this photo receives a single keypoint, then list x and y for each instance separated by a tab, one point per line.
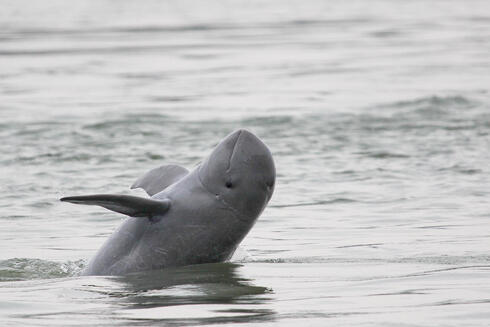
238	215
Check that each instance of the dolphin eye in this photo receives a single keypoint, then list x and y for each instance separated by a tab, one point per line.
228	184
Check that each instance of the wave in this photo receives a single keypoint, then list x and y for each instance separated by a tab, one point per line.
436	101
463	261
18	269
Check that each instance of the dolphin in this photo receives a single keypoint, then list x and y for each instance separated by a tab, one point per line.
191	217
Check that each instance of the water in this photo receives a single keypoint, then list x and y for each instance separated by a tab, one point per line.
377	114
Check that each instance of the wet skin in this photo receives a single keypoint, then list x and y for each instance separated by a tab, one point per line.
192	217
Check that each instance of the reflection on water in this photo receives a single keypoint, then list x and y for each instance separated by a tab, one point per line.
208	293
216	292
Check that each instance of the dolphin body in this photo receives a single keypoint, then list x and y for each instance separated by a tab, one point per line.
192	217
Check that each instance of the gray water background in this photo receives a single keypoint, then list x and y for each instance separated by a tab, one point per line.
377	114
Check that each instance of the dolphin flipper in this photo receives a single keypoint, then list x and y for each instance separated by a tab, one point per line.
156	180
132	206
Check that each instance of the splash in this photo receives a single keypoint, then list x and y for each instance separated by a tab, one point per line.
17	269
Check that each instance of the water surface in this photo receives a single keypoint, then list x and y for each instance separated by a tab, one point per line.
377	114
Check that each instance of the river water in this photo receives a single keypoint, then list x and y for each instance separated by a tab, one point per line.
377	114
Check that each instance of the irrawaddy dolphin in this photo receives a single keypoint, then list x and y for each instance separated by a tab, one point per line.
191	217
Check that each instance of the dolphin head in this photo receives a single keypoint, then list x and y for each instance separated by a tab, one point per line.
241	173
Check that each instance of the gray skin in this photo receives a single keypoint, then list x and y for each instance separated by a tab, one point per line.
192	217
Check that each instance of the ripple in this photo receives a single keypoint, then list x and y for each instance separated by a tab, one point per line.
307	204
436	101
17	269
383	155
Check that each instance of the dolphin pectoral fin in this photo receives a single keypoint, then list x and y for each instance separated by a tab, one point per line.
156	180
132	206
